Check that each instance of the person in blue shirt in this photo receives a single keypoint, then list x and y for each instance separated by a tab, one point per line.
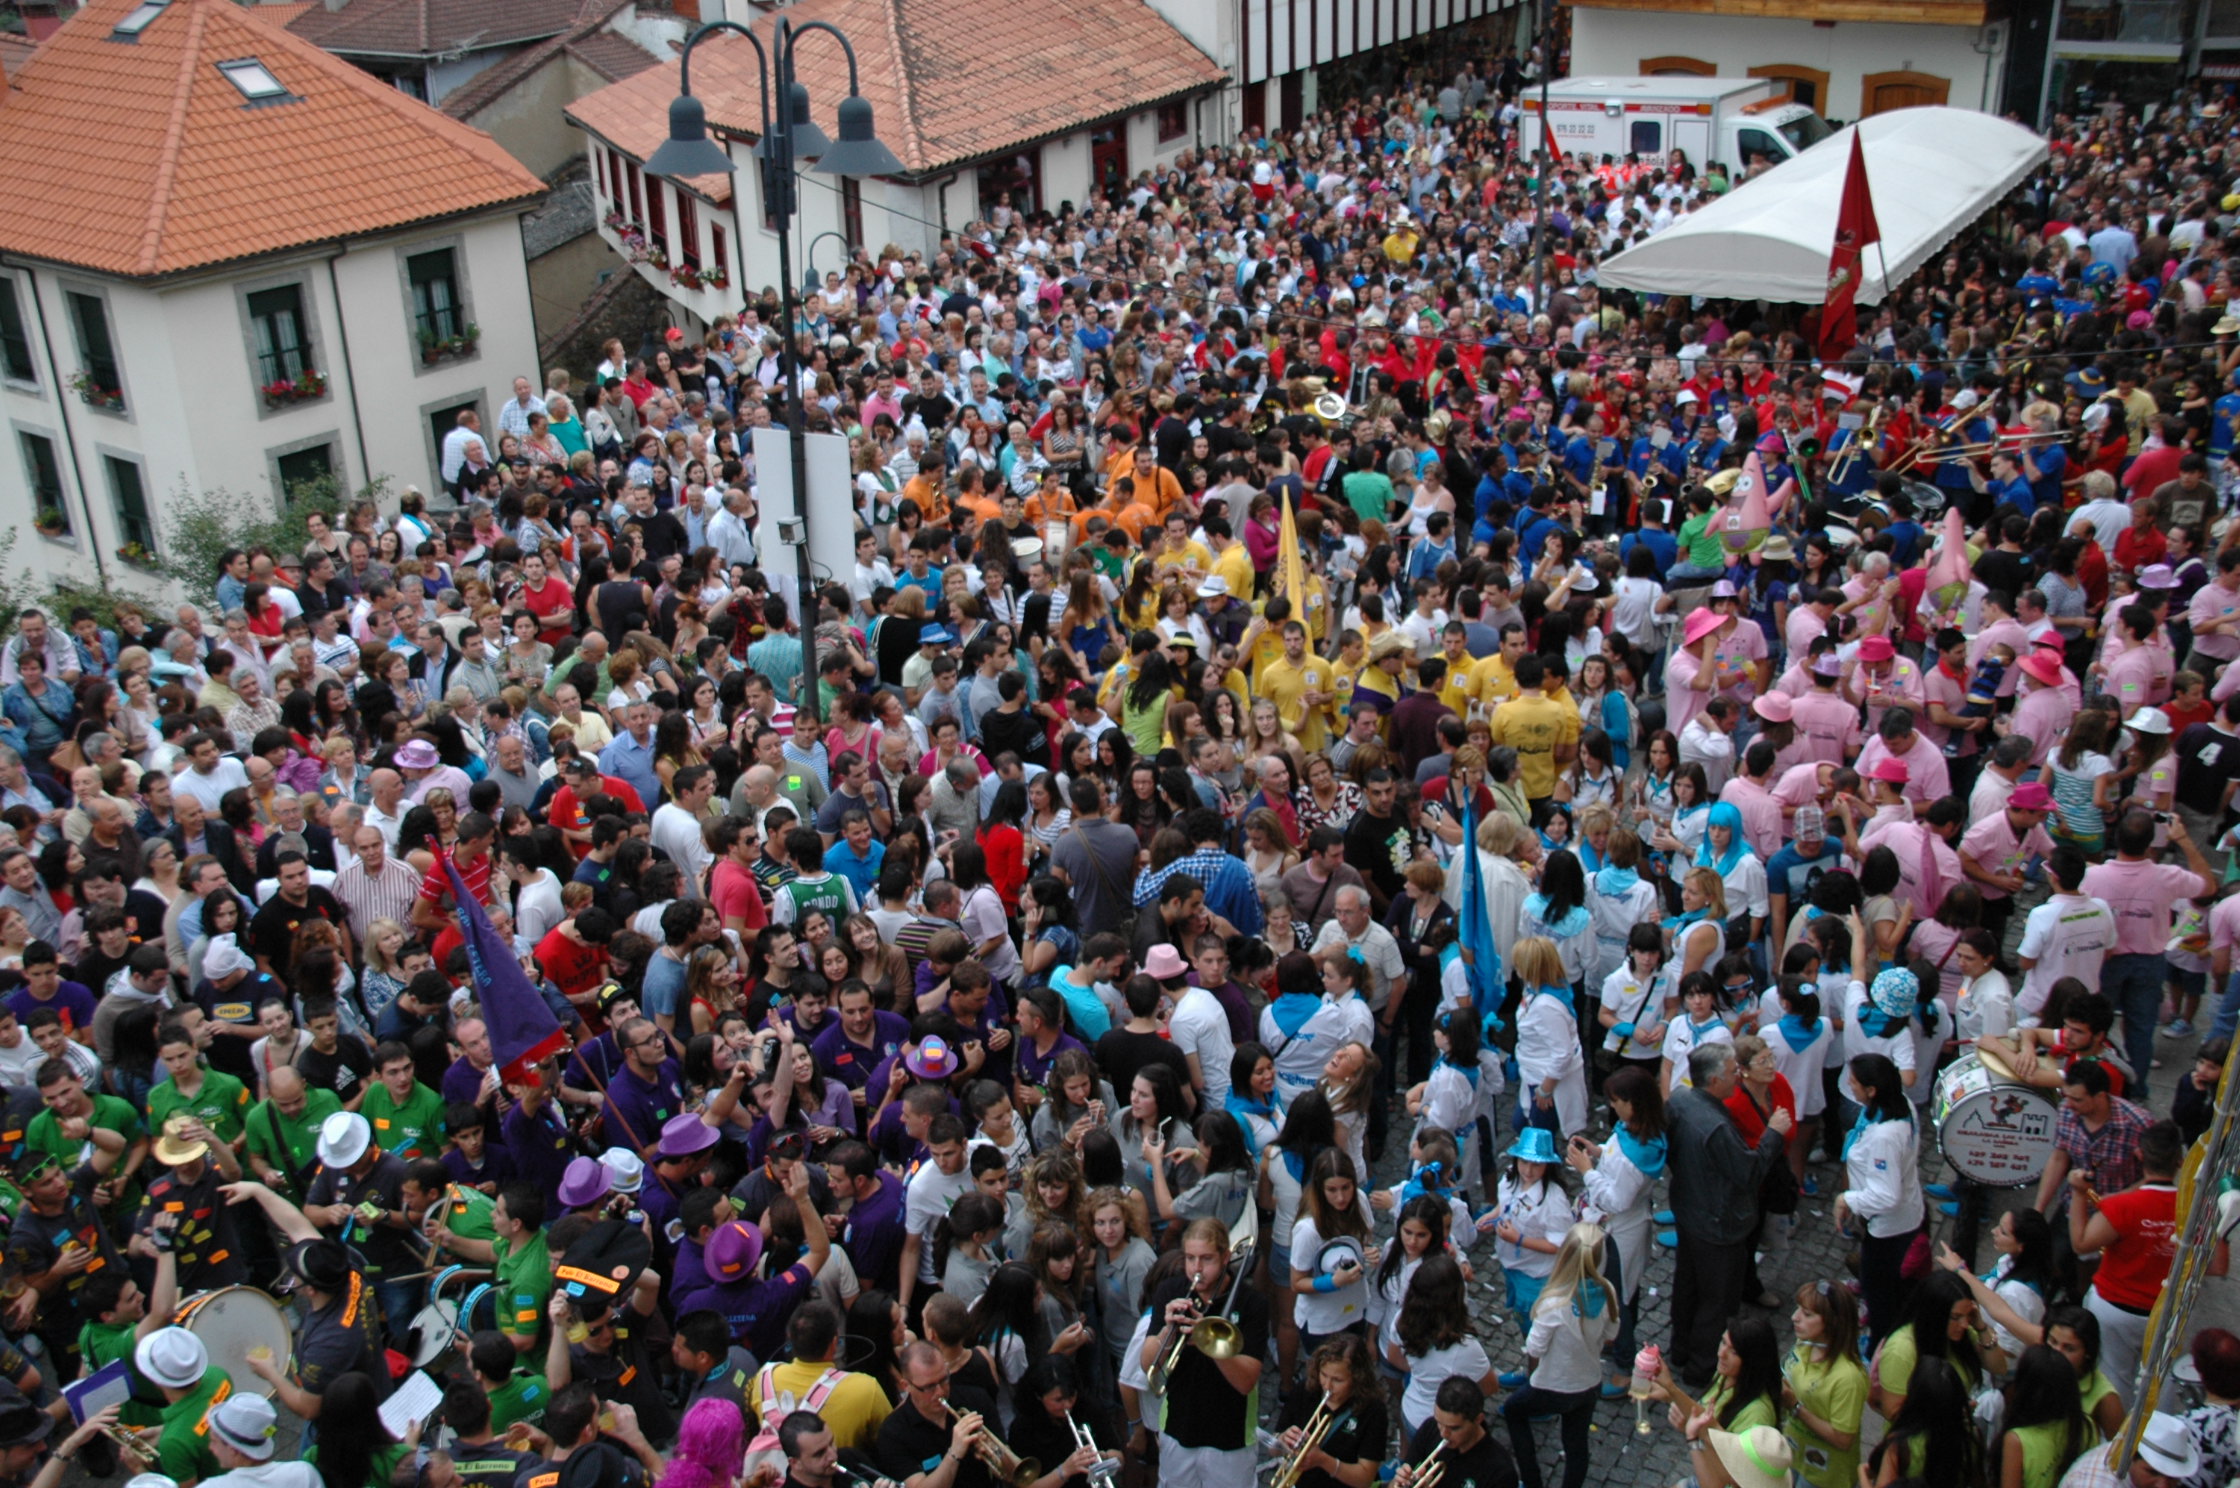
855	857
2005	485
1905	532
1435	547
1663	547
2045	464
2224	422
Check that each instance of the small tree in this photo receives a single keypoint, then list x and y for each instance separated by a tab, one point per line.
201	527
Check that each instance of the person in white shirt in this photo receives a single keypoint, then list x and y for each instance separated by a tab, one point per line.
2069	935
1882	1192
1199	1025
679	824
935	1186
20	1054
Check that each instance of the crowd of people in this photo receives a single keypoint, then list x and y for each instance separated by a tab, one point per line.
1315	795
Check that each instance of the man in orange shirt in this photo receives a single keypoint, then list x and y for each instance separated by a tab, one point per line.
928	489
973	495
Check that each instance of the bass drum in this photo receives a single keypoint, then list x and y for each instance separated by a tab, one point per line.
1993	1130
233	1320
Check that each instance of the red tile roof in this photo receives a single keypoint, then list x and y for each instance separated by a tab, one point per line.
15	50
425	28
949	80
611	55
141	158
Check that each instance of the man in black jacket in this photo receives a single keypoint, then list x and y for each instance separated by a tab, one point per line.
1715	1178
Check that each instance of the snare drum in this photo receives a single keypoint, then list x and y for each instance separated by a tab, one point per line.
1992	1130
233	1320
434	1330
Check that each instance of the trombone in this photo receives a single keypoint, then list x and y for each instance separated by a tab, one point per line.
1317	1429
1008	1466
1216	1336
1107	1471
1430	1471
1862	439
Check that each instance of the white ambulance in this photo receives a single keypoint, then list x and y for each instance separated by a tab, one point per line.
1730	120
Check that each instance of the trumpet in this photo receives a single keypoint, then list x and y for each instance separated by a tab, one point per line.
1216	1336
1107	1471
1430	1470
1008	1466
1862	439
1310	1439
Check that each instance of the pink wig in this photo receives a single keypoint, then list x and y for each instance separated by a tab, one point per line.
711	1446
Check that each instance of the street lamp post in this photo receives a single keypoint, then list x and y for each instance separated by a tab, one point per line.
790	136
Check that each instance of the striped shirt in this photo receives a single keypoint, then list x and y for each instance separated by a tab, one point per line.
387	896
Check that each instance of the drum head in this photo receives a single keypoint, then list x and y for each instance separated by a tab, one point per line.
1991	1131
433	1327
233	1320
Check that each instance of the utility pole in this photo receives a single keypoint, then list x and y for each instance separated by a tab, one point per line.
1545	166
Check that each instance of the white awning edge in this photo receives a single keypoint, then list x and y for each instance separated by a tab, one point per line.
1931	172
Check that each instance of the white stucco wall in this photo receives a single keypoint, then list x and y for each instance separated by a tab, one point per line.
195	417
1615	41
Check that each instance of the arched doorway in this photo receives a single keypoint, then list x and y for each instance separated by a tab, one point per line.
1880	92
1678	67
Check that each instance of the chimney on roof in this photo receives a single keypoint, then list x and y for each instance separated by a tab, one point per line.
336	4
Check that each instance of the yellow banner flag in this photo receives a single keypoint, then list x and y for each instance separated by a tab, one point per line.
1291	569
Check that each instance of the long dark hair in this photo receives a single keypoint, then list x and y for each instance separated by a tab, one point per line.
1435	1313
1937	1414
1434	1215
1563	883
2033	1258
1930	1317
1876	1073
353	1435
1309	1126
2043	1391
1760	1376
871	1328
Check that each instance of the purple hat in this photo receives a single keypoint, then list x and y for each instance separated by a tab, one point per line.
684	1134
931	1060
418	754
586	1182
2158	576
1725	589
1827	664
1164	962
733	1250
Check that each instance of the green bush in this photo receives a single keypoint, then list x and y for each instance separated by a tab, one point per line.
200	527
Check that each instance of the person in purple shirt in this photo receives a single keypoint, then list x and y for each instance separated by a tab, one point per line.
687	1141
899	1135
757	1310
470	1079
860	1040
1042	1037
536	1136
646	1091
1209	968
43	987
472	1160
810	1012
872	1233
598	1060
704	1211
982	1015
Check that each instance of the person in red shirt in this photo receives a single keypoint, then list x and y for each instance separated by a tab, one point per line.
731	883
565	810
2135	1235
544	595
2142	544
573	954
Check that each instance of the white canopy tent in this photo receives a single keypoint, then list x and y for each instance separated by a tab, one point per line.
1931	171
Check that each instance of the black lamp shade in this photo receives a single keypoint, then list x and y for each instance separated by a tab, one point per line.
857	152
688	150
808	140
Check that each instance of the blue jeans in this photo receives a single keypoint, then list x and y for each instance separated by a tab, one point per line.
2134	984
2228	1011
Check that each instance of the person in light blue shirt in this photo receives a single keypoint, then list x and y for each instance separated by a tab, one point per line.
630	756
855	857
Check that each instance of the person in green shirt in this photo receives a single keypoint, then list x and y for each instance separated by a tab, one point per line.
177	1363
1367	489
1745	1392
518	1392
212	1097
1825	1386
407	1116
1702	555
63	1131
517	1254
284	1131
2046	1426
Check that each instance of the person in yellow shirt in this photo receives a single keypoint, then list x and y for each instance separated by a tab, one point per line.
1303	688
1232	561
1460	686
1345	669
1262	644
1495	677
1175	549
1543	732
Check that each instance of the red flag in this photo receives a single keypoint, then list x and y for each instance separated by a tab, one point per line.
1855	229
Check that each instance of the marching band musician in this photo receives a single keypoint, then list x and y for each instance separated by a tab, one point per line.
1210	1431
1343	1389
1468	1455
